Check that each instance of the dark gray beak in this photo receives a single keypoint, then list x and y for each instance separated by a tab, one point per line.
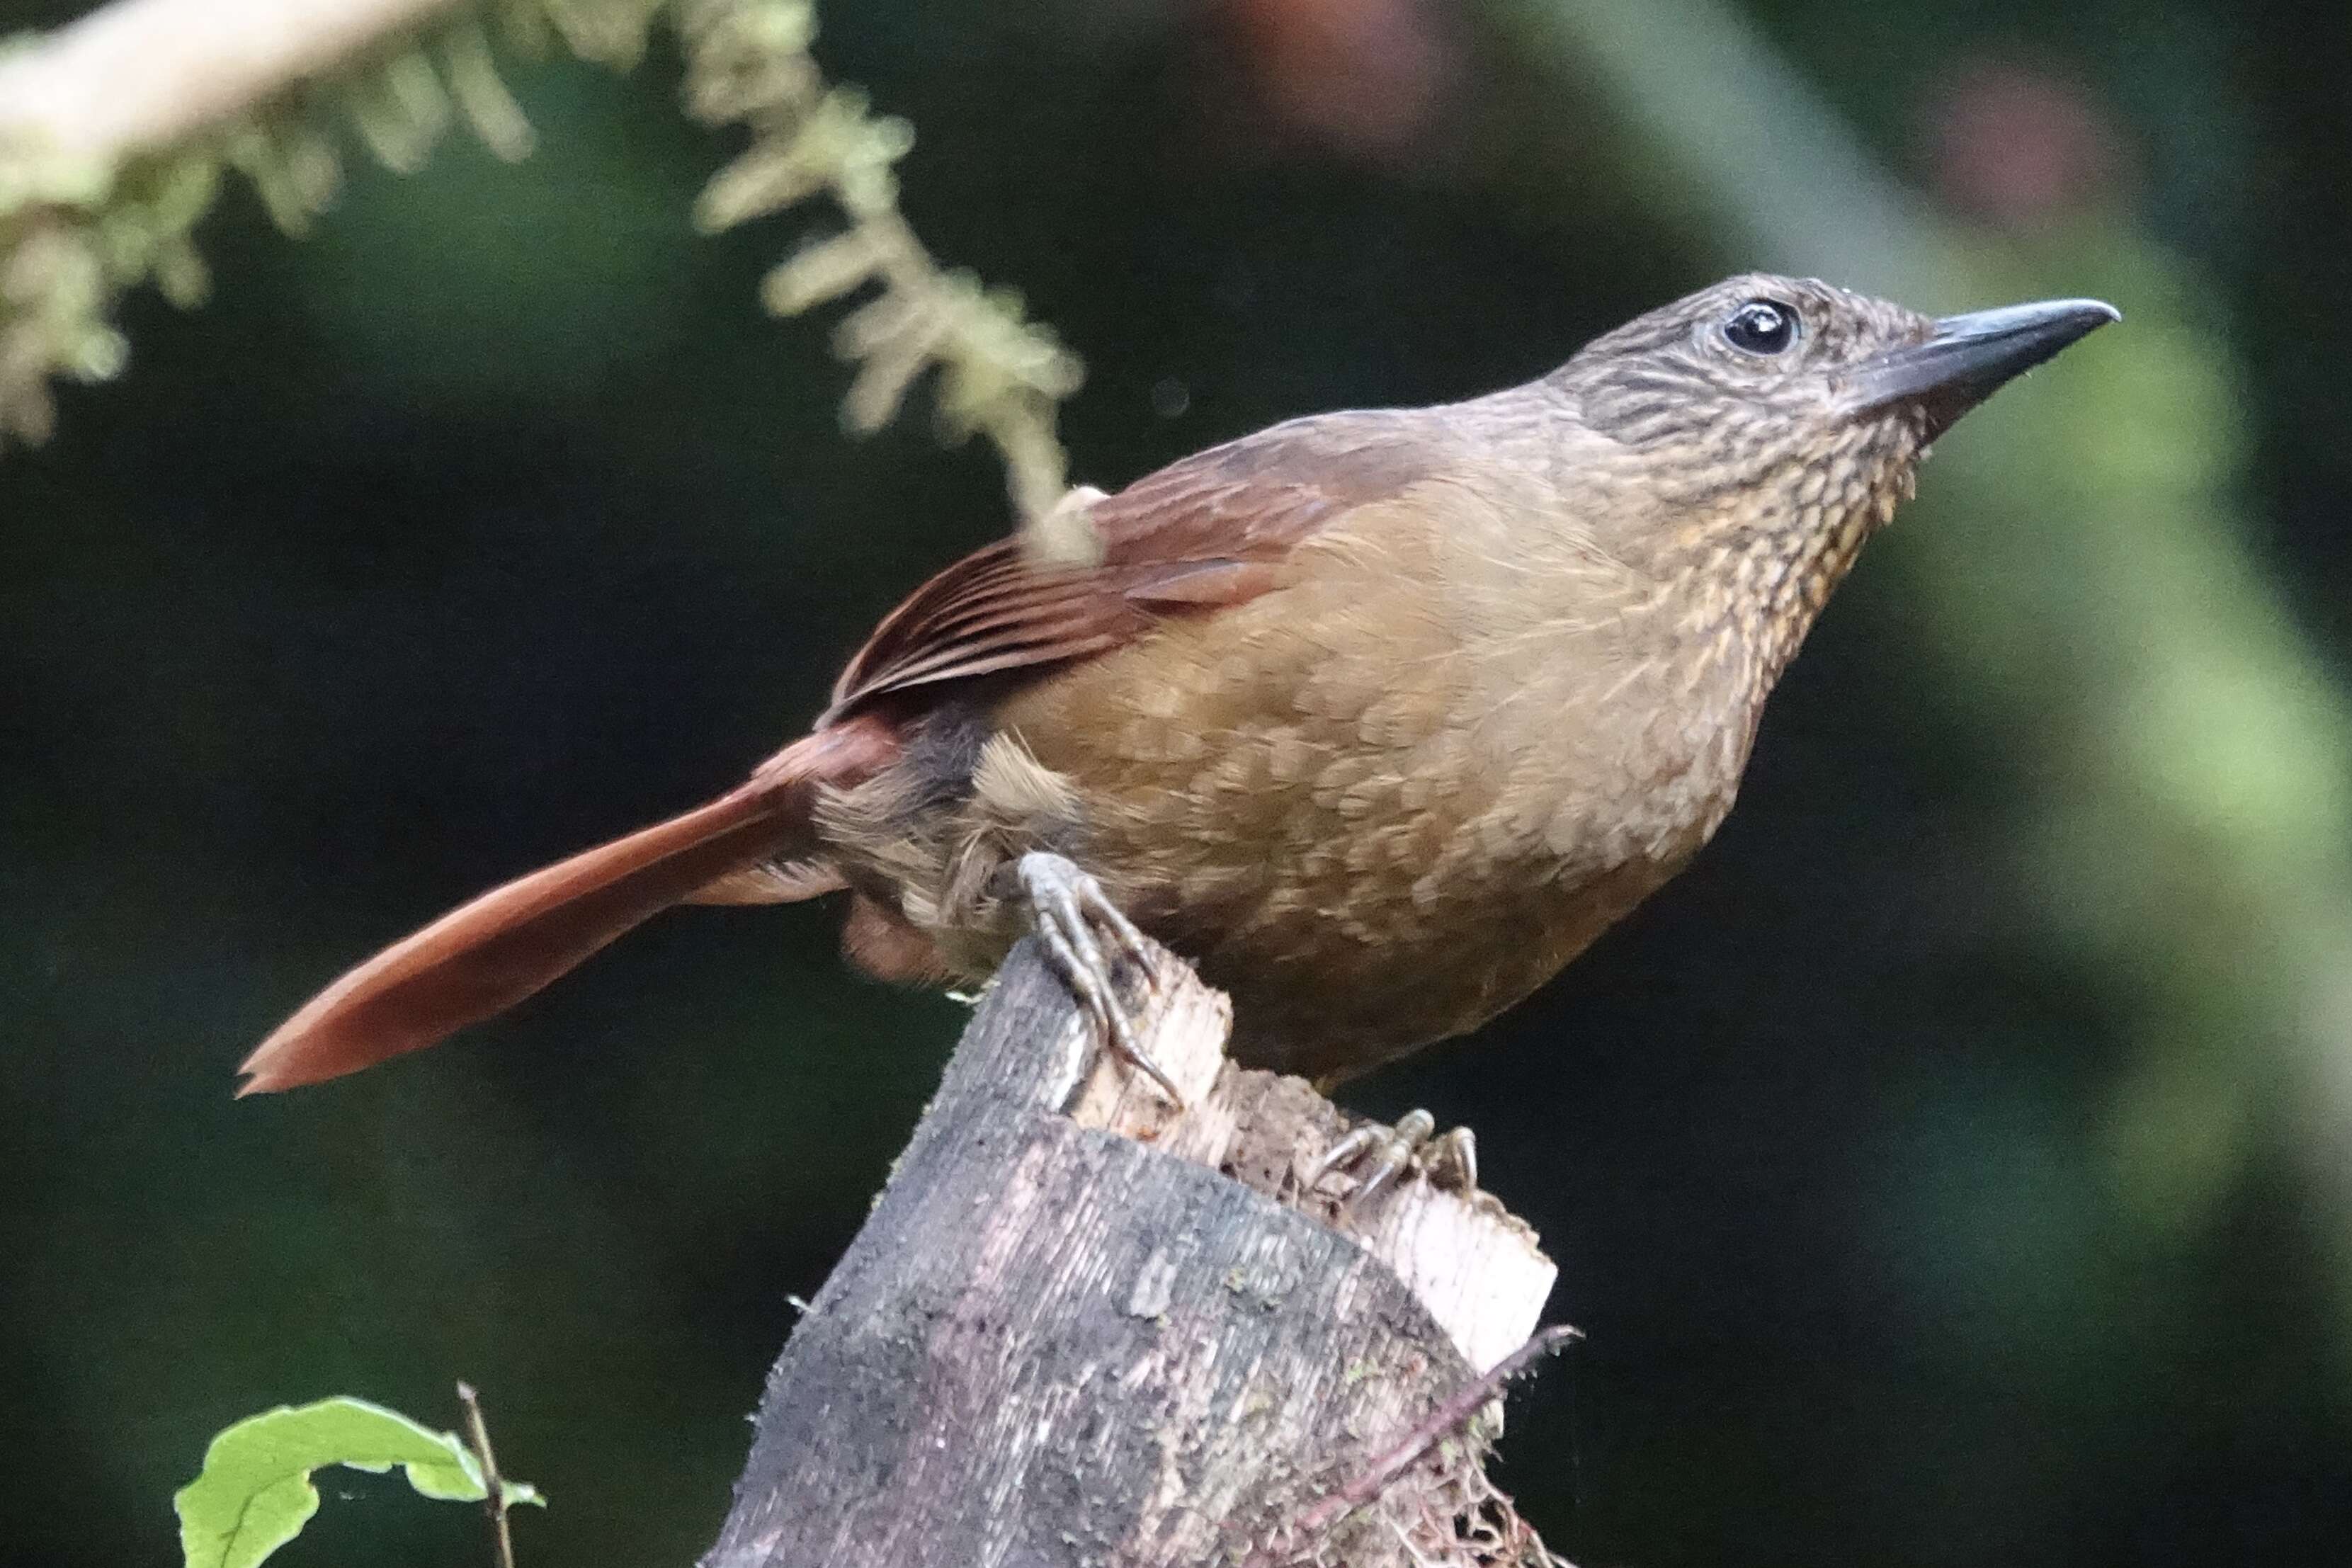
1969	358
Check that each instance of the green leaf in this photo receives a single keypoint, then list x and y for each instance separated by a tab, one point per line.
255	1494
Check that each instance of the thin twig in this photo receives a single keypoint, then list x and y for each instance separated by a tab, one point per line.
478	1433
1441	1422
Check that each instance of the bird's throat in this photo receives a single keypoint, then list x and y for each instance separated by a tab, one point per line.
1757	568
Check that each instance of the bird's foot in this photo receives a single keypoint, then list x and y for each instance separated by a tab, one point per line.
1376	1156
1068	906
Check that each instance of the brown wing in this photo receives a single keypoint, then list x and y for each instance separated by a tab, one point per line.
1206	532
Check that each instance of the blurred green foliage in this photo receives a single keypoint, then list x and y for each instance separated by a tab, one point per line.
1949	1168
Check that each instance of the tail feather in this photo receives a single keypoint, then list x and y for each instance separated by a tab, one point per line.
486	956
771	882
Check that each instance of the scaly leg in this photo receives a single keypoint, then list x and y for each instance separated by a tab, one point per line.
1067	905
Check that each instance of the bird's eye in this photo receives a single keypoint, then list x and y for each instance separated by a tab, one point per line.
1761	327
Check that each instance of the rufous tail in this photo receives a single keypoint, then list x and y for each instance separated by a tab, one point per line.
486	956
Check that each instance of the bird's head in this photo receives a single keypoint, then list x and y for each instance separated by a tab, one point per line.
1770	424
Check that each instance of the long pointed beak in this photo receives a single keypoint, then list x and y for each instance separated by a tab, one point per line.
1969	358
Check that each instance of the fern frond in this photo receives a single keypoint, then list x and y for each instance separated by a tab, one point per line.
1000	375
78	229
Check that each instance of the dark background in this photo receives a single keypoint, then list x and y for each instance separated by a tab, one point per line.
1950	1168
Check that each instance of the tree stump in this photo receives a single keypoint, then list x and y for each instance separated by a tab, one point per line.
1084	1329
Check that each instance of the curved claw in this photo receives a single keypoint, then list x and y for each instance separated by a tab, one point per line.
1067	904
1344	1152
1449	1163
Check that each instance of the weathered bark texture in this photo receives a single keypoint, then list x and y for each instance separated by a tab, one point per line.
1083	1327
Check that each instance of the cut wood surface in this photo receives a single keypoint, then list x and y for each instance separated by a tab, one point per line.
1083	1326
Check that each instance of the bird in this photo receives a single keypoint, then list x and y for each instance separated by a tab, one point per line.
1377	717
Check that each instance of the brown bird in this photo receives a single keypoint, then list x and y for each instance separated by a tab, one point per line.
1379	717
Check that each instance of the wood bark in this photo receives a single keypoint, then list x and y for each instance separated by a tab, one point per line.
1083	1327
